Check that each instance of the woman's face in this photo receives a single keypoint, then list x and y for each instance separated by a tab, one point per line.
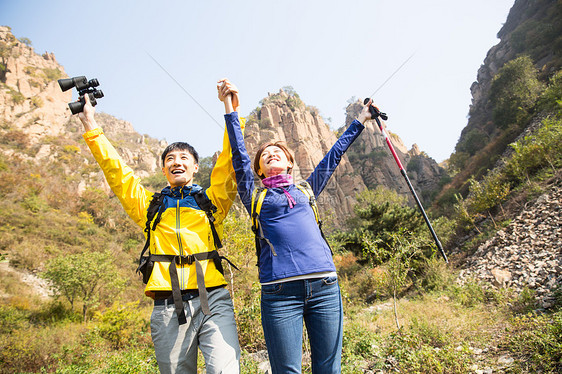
274	161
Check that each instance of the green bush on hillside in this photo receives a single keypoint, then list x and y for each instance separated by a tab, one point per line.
380	214
84	277
541	149
551	99
122	324
514	92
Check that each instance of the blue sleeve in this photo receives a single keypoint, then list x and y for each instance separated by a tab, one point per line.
240	160
322	173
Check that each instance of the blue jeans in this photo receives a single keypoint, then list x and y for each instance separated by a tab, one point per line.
283	308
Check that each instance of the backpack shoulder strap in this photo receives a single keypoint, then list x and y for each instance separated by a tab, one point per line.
156	205
257	200
209	208
205	203
305	188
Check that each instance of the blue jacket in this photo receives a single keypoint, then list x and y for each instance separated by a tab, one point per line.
293	243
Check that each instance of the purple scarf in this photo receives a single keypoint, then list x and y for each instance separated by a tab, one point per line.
281	181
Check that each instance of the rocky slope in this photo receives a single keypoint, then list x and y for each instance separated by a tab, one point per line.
525	254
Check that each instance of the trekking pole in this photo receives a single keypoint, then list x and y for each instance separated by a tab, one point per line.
375	114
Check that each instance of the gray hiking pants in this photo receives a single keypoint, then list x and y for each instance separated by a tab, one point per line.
216	336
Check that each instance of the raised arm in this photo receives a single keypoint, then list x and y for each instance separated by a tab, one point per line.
120	177
324	170
223	181
228	94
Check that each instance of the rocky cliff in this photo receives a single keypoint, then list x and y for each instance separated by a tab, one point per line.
283	116
373	161
367	164
533	28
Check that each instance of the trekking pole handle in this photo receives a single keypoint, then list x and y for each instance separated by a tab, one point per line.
375	112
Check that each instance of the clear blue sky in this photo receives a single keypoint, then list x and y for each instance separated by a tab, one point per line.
328	51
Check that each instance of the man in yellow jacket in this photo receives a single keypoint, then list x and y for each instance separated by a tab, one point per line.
192	307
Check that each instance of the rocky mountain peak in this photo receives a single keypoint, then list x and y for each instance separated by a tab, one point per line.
373	161
30	98
36	124
285	117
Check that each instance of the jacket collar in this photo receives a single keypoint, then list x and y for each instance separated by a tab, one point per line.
182	191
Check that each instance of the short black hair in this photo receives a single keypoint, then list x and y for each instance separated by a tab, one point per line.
180	146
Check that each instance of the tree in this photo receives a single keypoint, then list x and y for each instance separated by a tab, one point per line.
84	277
380	214
397	267
514	92
474	141
203	175
26	41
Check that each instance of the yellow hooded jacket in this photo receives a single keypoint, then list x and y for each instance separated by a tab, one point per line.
184	228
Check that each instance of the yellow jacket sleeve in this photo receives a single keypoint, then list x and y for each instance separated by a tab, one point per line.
120	177
222	191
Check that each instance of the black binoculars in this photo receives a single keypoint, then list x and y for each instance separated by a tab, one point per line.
84	87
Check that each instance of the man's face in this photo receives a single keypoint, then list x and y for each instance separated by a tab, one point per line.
179	167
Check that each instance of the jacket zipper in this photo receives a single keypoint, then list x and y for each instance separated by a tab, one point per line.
178	235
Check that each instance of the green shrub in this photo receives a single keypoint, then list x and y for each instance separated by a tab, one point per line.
430	334
525	302
541	149
514	92
247	364
17	97
12	319
380	215
248	319
551	99
35	349
122	324
359	343
436	276
84	277
416	351
25	41
52	74
487	194
469	294
36	100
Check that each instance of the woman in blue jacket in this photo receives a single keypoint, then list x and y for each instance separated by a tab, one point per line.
296	270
